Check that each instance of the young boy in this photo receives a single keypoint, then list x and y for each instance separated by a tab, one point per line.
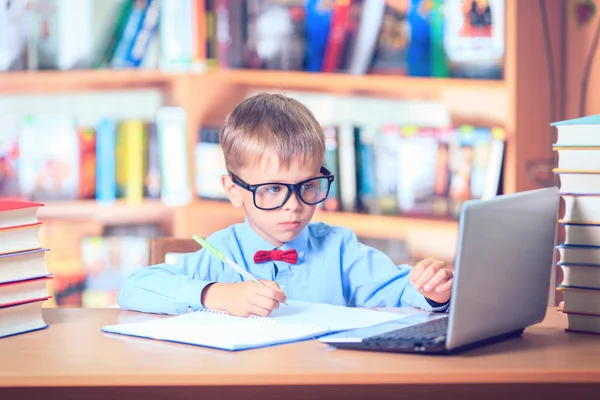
274	150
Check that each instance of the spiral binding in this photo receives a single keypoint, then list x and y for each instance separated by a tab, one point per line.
253	317
264	319
220	312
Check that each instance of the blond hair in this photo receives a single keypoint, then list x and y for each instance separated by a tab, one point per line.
271	125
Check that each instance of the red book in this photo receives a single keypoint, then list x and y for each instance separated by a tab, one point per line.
18	213
337	33
14	293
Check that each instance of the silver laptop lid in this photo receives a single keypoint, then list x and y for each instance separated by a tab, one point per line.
505	255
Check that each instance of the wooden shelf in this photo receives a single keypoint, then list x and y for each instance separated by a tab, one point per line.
468	100
334	82
102	79
382	226
120	212
82	80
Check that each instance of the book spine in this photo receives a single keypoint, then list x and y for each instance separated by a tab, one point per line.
332	203
132	27
318	19
366	173
151	163
200	29
171	126
87	162
106	56
347	159
145	33
439	64
106	186
211	34
335	40
387	144
176	33
133	162
210	164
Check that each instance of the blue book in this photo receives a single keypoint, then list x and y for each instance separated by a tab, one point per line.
132	28
317	23
106	138
147	29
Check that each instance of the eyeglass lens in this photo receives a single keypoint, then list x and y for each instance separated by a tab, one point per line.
273	195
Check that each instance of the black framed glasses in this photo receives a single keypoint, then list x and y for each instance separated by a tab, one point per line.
273	195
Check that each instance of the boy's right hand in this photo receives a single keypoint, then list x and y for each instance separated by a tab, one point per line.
243	299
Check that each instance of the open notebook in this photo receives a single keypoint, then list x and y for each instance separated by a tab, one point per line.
295	321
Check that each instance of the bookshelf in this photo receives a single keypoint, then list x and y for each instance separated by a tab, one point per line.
117	213
519	103
80	80
335	82
23	82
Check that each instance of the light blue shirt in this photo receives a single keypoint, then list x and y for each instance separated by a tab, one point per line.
333	267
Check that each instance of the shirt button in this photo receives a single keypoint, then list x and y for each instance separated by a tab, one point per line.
301	254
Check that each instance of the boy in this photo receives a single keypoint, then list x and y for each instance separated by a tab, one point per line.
274	149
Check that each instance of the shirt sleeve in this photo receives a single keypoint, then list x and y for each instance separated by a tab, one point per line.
173	289
371	279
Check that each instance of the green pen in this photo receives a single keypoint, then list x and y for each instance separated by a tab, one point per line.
226	260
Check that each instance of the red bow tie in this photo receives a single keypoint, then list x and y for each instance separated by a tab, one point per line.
288	256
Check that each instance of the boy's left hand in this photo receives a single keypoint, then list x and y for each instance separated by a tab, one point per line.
433	279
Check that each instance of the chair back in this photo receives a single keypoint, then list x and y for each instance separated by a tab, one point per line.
167	249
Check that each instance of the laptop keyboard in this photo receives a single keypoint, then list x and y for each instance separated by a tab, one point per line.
427	330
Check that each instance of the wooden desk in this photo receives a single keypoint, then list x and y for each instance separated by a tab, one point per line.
74	359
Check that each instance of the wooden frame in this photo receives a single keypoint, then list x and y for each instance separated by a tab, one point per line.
160	247
519	102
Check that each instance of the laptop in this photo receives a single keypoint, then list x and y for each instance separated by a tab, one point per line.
502	276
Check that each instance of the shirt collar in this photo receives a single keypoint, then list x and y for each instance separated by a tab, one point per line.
252	242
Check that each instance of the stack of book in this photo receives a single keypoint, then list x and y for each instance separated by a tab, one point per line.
578	148
23	273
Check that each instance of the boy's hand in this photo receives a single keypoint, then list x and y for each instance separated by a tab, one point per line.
433	279
243	299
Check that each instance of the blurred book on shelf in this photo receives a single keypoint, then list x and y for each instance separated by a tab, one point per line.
90	261
107	262
390	161
51	157
436	38
579	254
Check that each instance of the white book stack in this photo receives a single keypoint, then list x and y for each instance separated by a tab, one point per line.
578	149
23	273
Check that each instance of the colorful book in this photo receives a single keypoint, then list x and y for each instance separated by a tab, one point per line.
12	293
18	213
171	124
130	153
106	137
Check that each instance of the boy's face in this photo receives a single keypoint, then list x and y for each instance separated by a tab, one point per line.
282	224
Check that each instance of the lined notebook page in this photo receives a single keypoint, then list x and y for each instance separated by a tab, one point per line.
293	322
